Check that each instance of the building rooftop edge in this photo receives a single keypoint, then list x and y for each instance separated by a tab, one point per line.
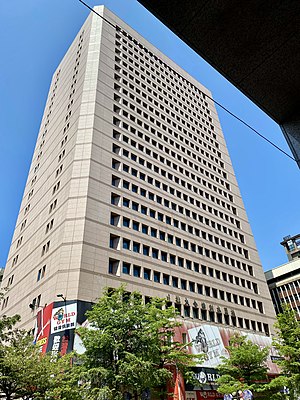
289	266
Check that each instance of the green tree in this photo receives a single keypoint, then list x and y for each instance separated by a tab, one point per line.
287	343
246	369
130	348
25	373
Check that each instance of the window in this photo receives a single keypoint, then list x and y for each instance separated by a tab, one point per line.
156	276
195	313
126	202
162	235
114	241
53	206
146	250
172	259
45	248
136	247
135	225
41	273
10	281
145	229
153	232
166	279
15	260
56	187
126	244
187	311
126	268
135	206
183	284
155	253
113	267
175	282
5	302
136	271
126	222
170	238
143	210
160	217
147	274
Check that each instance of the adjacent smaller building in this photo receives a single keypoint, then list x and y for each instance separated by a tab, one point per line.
284	281
292	246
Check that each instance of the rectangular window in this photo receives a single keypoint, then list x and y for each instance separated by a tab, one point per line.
155	253
156	276
146	250
147	274
136	247
137	271
135	225
126	268
126	244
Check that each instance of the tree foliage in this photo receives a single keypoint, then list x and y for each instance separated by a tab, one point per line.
130	348
287	343
246	369
25	373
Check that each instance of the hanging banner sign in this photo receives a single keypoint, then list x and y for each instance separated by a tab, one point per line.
64	318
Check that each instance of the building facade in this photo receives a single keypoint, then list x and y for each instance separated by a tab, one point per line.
131	182
292	246
284	281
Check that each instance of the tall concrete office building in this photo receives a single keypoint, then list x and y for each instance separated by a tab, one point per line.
131	182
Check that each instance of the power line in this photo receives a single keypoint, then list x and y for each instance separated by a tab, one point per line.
250	127
99	15
213	100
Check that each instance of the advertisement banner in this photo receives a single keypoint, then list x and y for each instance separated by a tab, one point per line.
64	317
207	339
43	326
56	323
212	341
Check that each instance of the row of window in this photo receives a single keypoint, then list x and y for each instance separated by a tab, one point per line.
171	108
164	71
180	194
116	181
181	243
115	220
172	124
116	200
172	259
181	283
174	177
166	151
181	116
195	107
188	142
210	156
199	311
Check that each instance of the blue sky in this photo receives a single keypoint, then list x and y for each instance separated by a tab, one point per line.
35	35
